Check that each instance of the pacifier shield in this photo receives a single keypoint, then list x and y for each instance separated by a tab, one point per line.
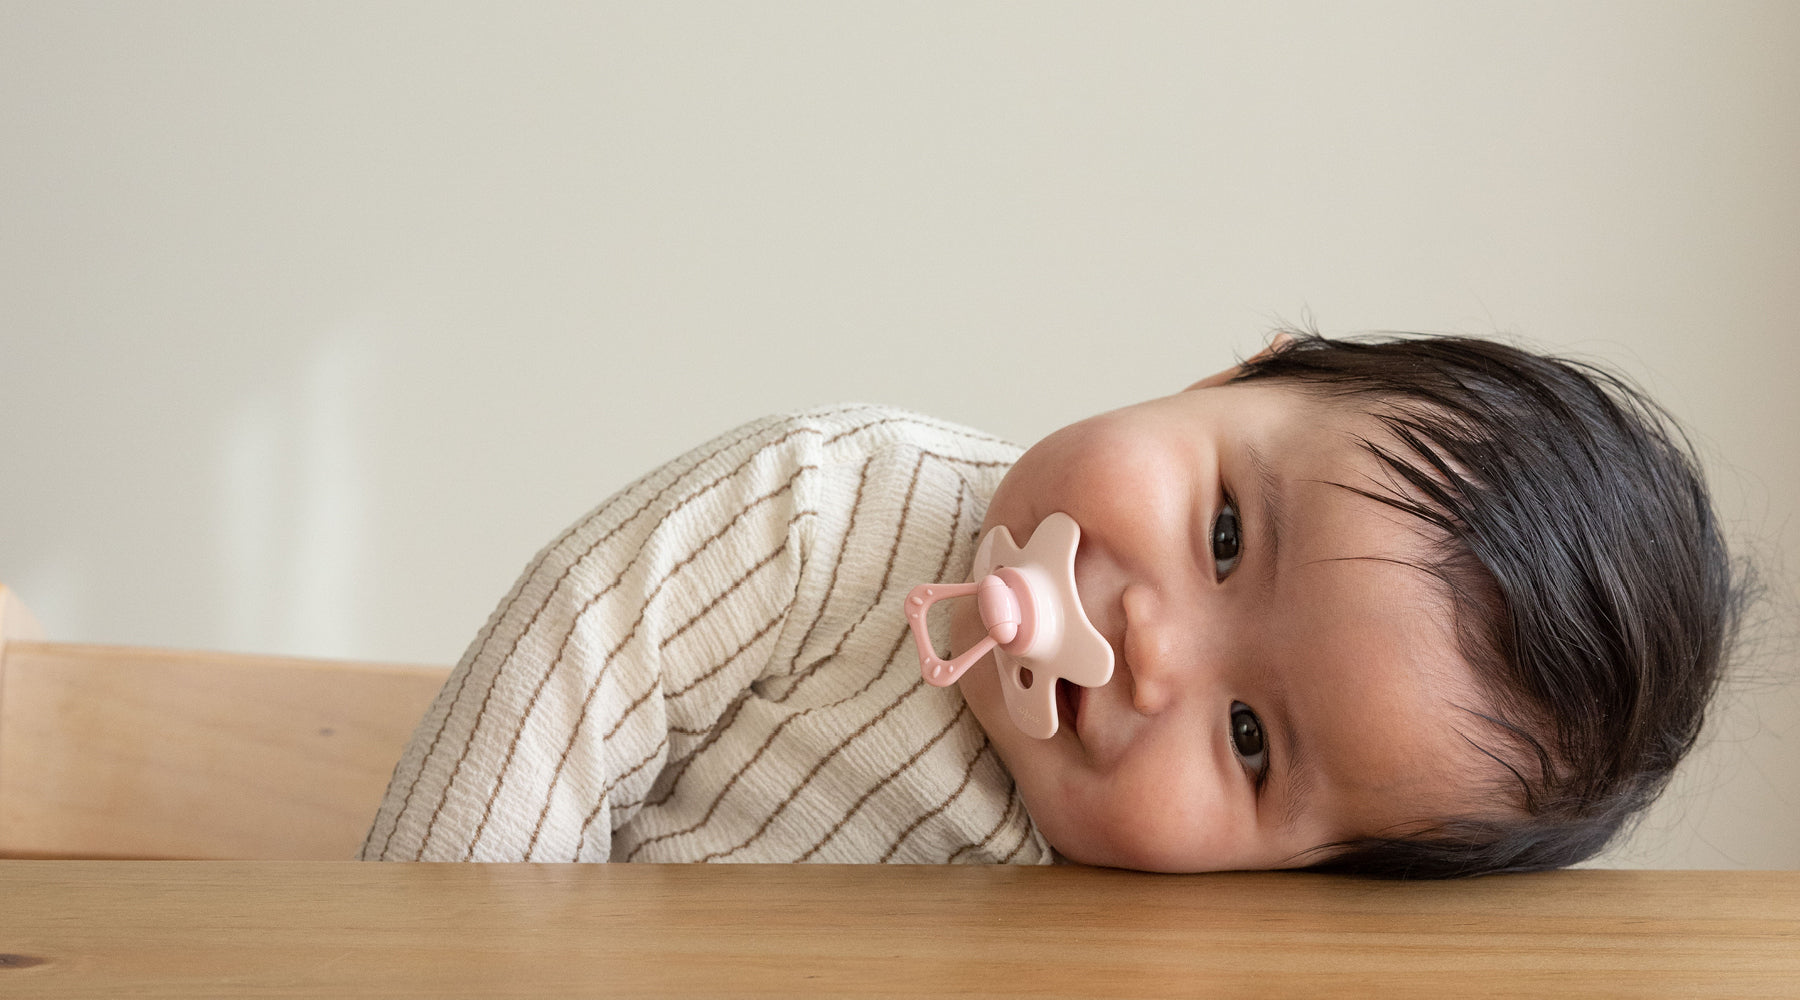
1035	624
1064	644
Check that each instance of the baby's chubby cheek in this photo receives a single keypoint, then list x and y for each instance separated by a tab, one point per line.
1123	828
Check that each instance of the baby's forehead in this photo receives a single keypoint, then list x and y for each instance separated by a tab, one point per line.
1352	443
1313	407
1381	452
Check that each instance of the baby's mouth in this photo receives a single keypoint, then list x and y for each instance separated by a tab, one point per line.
1068	704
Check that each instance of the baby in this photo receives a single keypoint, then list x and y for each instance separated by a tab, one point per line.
1416	607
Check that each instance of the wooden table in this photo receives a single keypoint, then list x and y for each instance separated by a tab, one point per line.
278	929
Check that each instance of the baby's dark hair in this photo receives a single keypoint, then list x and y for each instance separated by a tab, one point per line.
1591	587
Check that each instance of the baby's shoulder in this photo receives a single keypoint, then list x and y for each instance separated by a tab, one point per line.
857	430
839	455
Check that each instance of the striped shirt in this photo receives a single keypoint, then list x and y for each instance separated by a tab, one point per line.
713	666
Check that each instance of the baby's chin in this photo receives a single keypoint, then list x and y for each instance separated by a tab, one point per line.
1097	849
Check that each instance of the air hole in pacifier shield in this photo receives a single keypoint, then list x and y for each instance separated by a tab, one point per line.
1025	678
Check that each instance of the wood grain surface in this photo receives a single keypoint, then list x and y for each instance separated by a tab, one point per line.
293	929
125	751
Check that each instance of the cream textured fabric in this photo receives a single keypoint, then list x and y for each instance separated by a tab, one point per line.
713	666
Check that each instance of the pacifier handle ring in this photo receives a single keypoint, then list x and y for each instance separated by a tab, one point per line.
999	614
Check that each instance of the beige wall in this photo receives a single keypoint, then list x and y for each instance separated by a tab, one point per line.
318	320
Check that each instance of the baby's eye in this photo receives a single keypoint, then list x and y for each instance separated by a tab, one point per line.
1247	739
1227	540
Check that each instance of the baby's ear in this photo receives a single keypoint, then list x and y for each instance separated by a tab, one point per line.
1280	342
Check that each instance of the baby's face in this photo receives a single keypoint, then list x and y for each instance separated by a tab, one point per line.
1282	679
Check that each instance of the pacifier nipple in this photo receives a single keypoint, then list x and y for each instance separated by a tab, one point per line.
1035	624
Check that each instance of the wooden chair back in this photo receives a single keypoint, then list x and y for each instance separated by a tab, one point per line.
128	752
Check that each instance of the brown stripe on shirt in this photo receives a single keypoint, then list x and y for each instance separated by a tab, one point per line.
862	480
538	829
681	766
581	844
880	589
581	720
746	644
593	688
767	742
735	584
968	774
816	768
1014	803
884	781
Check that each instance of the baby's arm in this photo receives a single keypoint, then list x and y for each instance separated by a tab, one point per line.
639	626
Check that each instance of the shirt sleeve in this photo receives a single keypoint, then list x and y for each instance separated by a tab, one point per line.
635	630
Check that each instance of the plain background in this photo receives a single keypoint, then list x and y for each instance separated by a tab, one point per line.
317	320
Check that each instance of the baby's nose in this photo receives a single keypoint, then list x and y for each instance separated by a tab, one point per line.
1154	653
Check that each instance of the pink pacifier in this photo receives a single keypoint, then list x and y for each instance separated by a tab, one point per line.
1034	621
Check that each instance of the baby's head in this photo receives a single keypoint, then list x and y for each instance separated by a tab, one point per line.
1419	607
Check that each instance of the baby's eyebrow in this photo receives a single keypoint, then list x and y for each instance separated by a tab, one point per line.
1296	771
1273	507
